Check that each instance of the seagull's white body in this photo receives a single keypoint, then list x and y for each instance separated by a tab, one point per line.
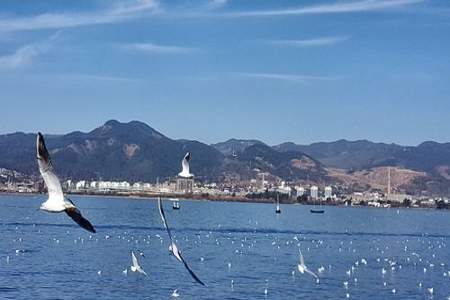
185	173
302	268
174	250
56	202
135	267
56	205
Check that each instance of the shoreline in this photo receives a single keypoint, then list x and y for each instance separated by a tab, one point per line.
194	197
138	196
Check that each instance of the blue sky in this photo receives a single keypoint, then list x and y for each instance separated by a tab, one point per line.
301	71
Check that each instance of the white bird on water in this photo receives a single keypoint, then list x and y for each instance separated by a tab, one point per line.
173	247
302	268
321	269
135	267
185	167
175	294
56	201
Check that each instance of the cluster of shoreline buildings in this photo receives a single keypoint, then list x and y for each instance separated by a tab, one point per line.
187	187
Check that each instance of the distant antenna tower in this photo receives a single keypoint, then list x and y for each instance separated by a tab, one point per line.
389	181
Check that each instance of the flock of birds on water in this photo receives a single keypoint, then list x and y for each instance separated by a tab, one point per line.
57	202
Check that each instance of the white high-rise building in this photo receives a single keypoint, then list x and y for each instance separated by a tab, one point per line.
284	189
80	185
137	186
300	191
314	192
328	191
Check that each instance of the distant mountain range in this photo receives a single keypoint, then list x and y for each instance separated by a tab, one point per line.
357	155
429	161
136	152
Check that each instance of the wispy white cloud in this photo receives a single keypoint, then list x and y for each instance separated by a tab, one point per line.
104	78
25	55
331	8
287	77
114	14
20	57
152	48
315	42
214	4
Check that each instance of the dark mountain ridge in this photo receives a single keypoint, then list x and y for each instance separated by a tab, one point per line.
115	151
134	151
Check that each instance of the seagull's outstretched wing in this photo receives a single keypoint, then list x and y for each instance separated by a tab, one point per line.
75	214
185	162
311	273
54	188
173	245
185	166
302	260
190	271
163	218
140	270
134	260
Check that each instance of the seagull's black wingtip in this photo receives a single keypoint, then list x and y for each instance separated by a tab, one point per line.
75	214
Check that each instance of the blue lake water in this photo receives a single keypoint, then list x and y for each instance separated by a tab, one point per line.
50	257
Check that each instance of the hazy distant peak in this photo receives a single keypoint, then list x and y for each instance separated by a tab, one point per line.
235	145
137	128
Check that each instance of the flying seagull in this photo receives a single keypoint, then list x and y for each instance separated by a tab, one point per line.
136	267
302	268
185	167
173	247
56	201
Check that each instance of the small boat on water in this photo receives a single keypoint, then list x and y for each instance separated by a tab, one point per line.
175	204
317	210
278	210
